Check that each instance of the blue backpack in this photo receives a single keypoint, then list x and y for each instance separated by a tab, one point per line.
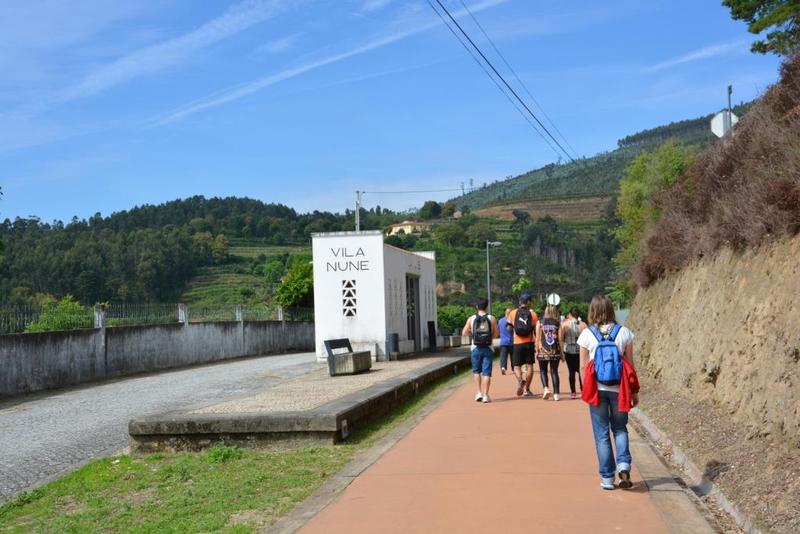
607	359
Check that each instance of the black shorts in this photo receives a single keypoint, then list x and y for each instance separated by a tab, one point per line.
522	354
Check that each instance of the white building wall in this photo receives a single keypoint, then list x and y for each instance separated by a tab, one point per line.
360	291
340	259
398	264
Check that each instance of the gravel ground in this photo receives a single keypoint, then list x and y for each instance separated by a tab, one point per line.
759	474
47	434
316	388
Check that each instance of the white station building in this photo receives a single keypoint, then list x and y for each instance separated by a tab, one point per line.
382	298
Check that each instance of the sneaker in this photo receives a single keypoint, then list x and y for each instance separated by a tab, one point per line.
528	393
478	396
546	394
607	483
625	479
520	387
556	397
573	396
486	399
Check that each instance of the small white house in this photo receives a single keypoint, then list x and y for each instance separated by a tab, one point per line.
372	293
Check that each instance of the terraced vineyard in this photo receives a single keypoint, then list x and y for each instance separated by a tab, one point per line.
234	282
590	208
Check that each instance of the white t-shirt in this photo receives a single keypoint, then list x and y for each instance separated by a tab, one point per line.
589	342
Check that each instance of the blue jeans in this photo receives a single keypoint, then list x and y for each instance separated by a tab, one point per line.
482	360
607	417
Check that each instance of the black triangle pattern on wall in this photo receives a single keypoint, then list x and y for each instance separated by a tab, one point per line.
349	301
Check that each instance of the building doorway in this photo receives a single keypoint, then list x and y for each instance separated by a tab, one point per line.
412	311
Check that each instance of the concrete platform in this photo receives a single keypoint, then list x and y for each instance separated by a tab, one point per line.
330	422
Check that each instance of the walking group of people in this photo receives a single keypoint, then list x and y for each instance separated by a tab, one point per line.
598	352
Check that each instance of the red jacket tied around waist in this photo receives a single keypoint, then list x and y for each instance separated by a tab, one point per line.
628	384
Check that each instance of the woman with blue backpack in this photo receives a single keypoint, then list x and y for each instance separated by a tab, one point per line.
611	388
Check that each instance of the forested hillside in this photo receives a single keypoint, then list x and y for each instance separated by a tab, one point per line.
149	253
595	176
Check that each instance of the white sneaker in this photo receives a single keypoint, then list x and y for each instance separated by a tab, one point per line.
478	396
607	483
546	394
556	397
486	399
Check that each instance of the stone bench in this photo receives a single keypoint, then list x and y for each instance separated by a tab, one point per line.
348	362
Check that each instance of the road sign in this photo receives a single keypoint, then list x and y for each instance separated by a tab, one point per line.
553	299
719	124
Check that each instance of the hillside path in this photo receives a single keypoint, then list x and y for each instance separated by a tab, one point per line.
514	465
50	433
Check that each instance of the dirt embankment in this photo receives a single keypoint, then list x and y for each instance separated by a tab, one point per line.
719	344
727	329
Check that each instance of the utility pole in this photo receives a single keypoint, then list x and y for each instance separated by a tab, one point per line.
358	211
488	278
728	122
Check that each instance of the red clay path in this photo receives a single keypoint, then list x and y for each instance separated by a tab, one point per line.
514	465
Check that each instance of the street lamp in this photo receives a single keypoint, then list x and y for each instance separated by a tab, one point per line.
488	278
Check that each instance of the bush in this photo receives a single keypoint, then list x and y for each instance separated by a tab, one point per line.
743	191
452	317
65	314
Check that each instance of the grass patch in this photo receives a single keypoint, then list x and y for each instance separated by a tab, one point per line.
225	489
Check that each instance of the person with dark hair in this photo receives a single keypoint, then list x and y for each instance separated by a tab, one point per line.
571	328
549	352
482	328
506	341
523	321
611	388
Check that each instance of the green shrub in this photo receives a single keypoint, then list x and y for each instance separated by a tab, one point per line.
65	314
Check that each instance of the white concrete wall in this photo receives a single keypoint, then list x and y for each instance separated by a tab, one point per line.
340	257
398	263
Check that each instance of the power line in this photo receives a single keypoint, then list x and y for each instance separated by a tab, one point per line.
499	87
409	192
500	76
510	68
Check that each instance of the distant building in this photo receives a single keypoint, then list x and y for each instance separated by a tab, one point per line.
380	297
408	227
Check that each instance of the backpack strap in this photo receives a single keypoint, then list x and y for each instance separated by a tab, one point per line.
614	331
594	330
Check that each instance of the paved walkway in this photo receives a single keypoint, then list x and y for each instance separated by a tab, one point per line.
46	434
514	465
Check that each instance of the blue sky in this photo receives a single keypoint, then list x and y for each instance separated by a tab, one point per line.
105	105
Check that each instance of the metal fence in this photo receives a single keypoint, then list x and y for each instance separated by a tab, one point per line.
125	314
17	319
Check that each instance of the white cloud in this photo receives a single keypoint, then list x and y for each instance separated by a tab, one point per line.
278	45
235	93
374	5
156	57
697	55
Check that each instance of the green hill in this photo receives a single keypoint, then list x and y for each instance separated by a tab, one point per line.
598	175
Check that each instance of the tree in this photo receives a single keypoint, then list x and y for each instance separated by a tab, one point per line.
781	15
648	175
521	219
450	234
479	233
220	248
521	285
430	210
297	287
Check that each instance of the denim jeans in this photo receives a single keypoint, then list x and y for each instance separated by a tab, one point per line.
607	417
482	360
